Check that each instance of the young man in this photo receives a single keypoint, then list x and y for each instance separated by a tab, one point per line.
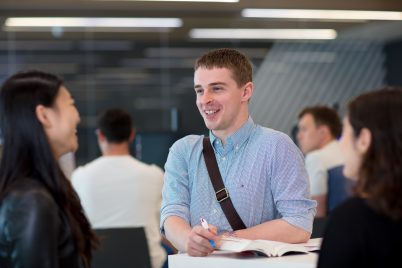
262	169
319	127
117	190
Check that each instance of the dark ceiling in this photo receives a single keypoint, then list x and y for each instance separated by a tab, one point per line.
193	14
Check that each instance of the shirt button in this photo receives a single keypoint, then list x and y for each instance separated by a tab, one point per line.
223	158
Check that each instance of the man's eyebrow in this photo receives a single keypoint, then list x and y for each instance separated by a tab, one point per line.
217	83
211	84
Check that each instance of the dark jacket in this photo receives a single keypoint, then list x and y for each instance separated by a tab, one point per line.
34	232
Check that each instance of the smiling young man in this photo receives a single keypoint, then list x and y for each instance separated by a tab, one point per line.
261	168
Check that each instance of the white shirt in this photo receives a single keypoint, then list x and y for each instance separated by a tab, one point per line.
120	191
318	163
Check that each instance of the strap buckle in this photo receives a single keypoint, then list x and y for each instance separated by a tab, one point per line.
220	197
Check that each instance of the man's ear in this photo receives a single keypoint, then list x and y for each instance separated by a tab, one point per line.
248	91
364	141
42	113
324	131
100	135
132	135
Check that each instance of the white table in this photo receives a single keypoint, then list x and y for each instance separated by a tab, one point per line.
224	259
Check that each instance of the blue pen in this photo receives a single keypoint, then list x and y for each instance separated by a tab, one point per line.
204	225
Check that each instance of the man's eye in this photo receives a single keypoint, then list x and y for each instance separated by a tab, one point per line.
216	88
198	91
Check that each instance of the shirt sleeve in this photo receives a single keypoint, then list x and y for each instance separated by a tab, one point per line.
175	192
33	230
290	185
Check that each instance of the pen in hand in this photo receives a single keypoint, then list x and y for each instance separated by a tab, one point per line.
204	225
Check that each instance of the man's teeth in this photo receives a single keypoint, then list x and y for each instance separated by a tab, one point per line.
210	112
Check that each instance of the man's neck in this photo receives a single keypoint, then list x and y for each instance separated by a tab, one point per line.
114	149
224	134
326	142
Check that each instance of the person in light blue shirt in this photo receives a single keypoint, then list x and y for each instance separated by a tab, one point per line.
262	169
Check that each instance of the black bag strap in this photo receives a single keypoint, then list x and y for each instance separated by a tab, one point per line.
222	194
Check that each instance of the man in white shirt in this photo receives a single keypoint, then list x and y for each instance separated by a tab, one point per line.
117	190
319	127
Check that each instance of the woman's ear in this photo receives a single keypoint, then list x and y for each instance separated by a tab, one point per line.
364	140
42	115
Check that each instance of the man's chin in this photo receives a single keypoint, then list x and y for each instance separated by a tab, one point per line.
210	125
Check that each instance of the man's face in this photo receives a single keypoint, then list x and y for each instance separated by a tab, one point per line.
309	135
221	102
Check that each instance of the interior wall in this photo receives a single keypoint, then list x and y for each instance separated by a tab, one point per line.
295	75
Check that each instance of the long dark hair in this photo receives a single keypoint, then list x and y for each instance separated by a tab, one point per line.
27	152
380	175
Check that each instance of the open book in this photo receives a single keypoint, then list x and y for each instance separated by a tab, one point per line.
267	247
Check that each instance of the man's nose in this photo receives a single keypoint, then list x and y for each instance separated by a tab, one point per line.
206	97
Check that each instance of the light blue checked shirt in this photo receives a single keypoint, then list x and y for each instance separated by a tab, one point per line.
262	169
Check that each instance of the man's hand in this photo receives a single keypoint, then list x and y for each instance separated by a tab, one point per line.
197	243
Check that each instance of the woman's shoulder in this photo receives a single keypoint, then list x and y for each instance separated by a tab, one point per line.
353	207
354	213
28	194
28	204
357	206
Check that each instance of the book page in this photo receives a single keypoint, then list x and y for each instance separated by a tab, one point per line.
313	244
275	248
266	247
235	244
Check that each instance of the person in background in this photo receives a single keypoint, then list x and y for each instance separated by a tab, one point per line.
42	223
262	169
319	128
117	190
366	230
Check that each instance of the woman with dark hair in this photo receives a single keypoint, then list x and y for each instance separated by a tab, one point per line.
366	230
42	223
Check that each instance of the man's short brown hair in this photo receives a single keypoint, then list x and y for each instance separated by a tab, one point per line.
324	115
229	58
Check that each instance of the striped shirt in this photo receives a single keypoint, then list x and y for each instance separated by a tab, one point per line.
262	169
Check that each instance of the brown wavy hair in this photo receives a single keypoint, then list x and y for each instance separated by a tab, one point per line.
232	59
380	175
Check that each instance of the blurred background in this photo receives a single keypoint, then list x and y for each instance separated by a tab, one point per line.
139	55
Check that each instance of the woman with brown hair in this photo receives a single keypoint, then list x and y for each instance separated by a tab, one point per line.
42	223
366	230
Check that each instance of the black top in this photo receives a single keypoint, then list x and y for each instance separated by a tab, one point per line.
356	236
34	233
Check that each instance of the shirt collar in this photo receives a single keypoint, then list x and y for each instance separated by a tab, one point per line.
239	137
